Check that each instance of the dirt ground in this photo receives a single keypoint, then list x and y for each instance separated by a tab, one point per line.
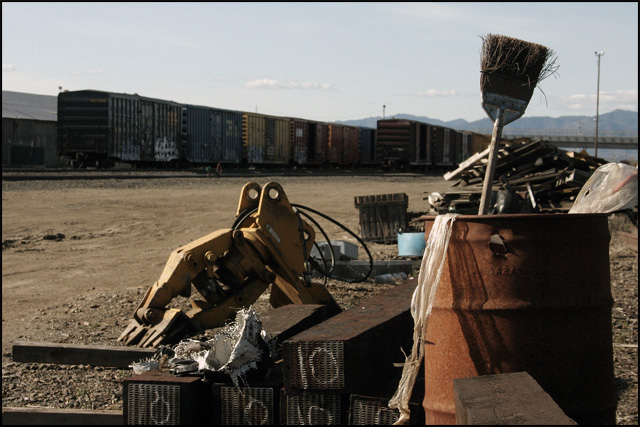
116	234
78	254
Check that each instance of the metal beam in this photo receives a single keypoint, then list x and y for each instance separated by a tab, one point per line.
610	142
65	417
77	354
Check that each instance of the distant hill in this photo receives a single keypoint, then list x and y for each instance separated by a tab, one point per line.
617	120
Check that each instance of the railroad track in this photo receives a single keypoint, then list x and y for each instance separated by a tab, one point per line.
93	174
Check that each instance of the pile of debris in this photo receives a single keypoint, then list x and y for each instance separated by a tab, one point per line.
530	176
298	364
237	349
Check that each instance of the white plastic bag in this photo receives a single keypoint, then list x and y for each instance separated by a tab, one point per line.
612	187
421	305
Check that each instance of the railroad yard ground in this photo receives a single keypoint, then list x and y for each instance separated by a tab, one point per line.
79	250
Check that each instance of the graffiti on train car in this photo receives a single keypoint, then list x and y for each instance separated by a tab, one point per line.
139	130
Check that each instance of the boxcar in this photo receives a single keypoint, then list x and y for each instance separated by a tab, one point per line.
403	142
367	146
335	144
463	149
444	146
308	142
212	135
343	144
319	144
266	139
100	128
300	141
350	145
479	142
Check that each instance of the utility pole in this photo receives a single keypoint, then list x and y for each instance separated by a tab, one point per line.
599	55
383	107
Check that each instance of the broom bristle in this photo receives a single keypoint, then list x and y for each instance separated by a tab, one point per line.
514	67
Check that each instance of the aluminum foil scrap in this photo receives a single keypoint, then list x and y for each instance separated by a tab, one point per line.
234	350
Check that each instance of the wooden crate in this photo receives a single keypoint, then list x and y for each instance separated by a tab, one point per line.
381	216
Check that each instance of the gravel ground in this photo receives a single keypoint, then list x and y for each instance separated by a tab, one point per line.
98	317
86	387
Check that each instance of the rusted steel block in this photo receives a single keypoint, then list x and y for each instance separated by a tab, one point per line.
155	397
354	351
504	399
246	405
78	354
314	409
256	401
367	411
56	416
286	321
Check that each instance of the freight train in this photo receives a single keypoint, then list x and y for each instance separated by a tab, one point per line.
98	128
402	142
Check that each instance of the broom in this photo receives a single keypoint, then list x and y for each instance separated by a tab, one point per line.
511	69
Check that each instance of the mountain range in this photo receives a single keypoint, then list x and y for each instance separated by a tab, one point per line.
622	121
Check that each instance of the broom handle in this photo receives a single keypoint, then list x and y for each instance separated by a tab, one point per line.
491	165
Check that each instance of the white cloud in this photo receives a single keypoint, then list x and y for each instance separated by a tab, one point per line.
276	84
438	93
8	68
621	99
620	96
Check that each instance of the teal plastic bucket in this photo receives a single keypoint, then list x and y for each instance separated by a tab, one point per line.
411	244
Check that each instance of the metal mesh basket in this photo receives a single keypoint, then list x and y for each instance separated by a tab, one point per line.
317	365
153	404
247	406
314	409
369	411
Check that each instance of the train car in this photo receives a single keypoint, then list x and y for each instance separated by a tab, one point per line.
300	141
367	146
319	145
212	135
266	139
464	148
343	145
100	128
479	142
458	151
350	145
403	142
335	144
444	147
308	142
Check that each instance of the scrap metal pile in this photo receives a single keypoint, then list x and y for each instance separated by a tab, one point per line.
530	176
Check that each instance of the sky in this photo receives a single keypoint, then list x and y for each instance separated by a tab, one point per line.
320	61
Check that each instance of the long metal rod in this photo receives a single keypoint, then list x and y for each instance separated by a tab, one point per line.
491	165
599	55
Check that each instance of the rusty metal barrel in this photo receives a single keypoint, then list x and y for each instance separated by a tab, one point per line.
524	293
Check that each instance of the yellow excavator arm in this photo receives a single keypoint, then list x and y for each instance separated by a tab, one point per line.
230	268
